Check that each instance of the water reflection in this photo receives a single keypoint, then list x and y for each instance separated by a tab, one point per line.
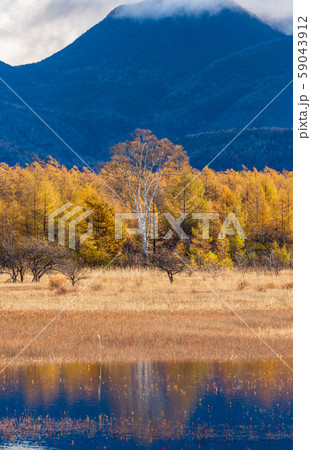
155	405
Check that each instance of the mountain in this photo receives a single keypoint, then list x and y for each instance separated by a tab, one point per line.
177	74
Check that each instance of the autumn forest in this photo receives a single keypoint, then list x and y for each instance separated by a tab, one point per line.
262	202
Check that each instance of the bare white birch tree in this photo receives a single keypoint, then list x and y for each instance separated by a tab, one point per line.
135	172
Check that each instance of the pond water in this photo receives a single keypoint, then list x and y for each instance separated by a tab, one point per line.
147	405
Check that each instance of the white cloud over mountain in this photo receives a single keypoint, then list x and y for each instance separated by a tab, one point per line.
166	8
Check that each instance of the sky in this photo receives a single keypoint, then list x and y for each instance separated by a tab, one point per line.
31	30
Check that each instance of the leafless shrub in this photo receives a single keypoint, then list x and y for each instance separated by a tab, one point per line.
42	257
74	269
168	262
12	259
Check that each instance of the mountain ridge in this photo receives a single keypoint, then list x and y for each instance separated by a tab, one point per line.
175	76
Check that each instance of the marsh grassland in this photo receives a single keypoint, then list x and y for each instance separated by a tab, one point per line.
132	315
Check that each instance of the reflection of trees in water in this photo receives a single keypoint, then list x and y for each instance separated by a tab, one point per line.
148	390
145	400
266	380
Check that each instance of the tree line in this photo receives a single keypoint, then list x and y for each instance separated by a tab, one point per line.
146	176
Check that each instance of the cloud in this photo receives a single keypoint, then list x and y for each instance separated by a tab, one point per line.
274	12
157	9
31	30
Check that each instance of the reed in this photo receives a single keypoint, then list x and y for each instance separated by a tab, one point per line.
138	314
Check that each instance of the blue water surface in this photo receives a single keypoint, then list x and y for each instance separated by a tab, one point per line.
192	405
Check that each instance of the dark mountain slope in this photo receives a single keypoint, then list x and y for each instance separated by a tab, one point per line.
229	92
260	148
176	75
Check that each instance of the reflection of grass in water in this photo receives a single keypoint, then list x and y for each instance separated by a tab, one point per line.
130	428
140	316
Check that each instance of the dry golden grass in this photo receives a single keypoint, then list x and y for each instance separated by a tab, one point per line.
145	290
139	315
